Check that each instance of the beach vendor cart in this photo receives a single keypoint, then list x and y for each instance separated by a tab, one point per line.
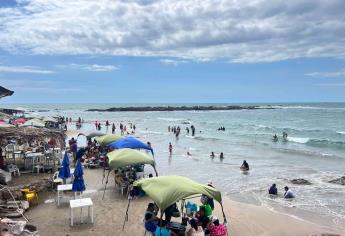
167	190
126	157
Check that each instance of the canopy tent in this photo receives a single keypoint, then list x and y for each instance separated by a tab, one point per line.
33	123
130	142
107	139
92	134
4	92
127	157
50	119
167	190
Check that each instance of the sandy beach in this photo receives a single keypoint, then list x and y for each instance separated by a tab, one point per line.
109	213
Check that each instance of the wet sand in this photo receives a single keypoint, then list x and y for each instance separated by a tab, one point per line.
109	213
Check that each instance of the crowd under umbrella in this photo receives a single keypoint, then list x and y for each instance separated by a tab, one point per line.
167	190
64	172
130	142
127	157
78	182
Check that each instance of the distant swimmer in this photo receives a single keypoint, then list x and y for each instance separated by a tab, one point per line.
244	166
221	156
212	155
288	193
273	190
189	154
275	138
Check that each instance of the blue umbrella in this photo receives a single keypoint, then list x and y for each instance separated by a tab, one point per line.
78	182
64	172
130	142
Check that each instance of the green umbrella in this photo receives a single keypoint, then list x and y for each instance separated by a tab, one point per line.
107	139
166	190
127	157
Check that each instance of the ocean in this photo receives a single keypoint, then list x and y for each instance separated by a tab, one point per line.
315	150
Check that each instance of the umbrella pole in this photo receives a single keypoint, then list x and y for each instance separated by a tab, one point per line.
103	173
225	221
106	182
126	217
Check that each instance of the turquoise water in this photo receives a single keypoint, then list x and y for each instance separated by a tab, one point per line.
315	150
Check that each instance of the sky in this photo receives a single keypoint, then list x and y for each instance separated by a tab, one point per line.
172	51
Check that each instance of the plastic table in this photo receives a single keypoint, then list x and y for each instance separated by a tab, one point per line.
80	203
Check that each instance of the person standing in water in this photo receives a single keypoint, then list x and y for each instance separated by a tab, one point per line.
245	165
113	129
212	155
221	156
273	190
170	148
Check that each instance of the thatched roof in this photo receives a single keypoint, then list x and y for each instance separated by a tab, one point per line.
5	92
28	134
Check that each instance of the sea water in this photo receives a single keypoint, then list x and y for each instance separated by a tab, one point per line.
315	150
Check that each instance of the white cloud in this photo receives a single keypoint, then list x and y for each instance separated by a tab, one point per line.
237	31
173	62
333	85
330	74
24	69
90	67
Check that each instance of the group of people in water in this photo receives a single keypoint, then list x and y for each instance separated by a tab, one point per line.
284	136
221	128
177	130
273	190
123	128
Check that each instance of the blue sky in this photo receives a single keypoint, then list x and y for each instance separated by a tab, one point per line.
172	51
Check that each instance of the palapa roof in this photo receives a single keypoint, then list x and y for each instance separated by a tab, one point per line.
26	134
5	92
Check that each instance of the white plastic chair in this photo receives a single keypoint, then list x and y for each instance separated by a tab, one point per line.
56	179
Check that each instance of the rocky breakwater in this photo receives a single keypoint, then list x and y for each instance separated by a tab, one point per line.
181	108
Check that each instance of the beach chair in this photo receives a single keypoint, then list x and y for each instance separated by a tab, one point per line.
38	166
56	180
13	169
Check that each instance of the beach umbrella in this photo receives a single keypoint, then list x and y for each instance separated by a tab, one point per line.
33	123
107	139
130	142
19	121
78	182
49	119
64	172
5	125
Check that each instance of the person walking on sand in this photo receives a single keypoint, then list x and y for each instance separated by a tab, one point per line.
170	148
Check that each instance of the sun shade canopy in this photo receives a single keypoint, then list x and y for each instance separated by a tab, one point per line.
127	157
130	142
166	190
107	139
5	92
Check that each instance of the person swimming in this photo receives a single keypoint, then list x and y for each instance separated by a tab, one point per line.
275	138
244	166
221	156
212	155
288	193
273	190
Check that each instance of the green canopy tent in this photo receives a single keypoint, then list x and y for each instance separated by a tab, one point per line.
127	157
104	140
166	190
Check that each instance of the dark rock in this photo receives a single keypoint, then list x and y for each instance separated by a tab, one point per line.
300	182
182	108
340	181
